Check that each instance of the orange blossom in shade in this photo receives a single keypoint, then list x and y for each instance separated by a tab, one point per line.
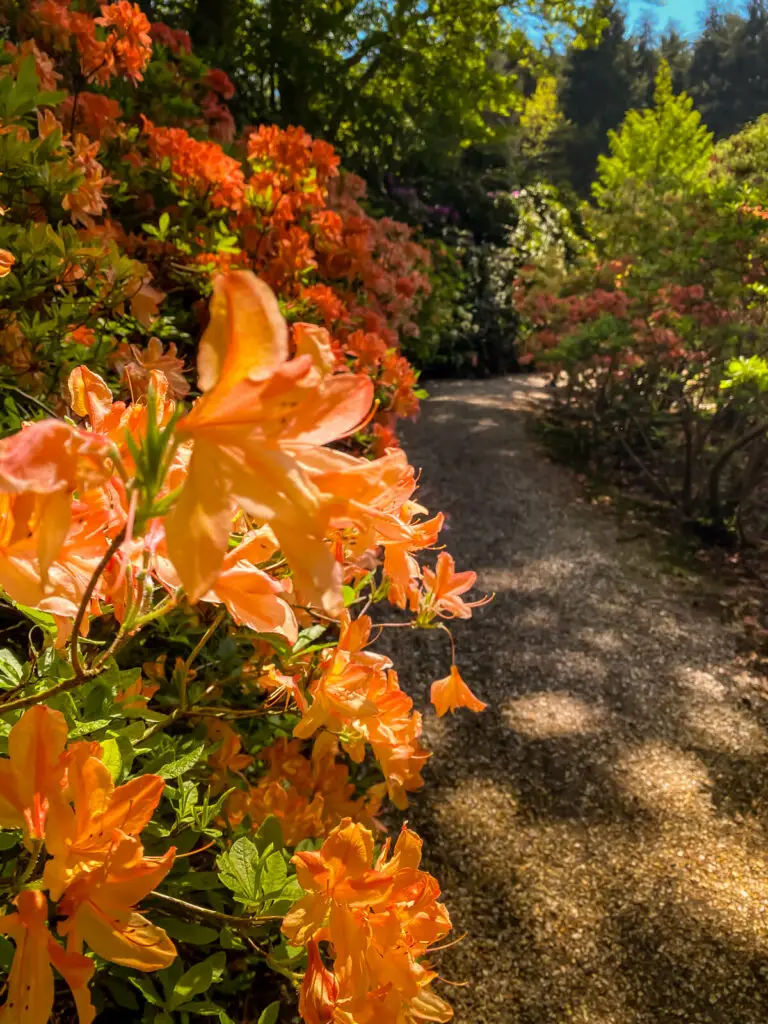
32	777
452	692
7	260
29	998
258	414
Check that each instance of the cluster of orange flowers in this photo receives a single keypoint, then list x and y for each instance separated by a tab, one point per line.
201	168
64	799
379	919
308	795
299	224
252	500
248	463
123	47
252	449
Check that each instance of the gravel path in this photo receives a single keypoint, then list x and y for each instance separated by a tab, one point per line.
599	831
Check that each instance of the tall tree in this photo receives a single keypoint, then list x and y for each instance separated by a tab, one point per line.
596	93
727	77
675	49
393	83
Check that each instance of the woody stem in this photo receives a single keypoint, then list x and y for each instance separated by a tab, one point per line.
184	680
81	671
212	915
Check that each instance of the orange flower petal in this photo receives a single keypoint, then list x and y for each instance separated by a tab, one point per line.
452	692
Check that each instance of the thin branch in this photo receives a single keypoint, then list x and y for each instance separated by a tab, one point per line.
722	461
82	672
30	398
183	682
213	915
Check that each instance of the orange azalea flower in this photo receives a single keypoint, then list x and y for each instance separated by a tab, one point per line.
227	759
137	370
452	692
251	596
309	797
99	908
80	838
319	990
339	700
97	116
87	199
201	169
33	775
379	922
19	567
400	567
81	335
281	687
129	40
339	878
259	413
134	698
358	697
30	981
50	460
145	304
7	260
445	587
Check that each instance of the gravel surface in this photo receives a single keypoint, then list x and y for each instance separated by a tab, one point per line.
600	830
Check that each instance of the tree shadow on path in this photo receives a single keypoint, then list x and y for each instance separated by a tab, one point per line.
599	831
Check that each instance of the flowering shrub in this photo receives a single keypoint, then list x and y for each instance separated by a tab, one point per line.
198	736
658	329
138	212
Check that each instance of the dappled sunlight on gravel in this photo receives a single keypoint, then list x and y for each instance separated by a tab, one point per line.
547	715
601	831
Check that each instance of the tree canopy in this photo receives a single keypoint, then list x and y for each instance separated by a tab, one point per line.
394	84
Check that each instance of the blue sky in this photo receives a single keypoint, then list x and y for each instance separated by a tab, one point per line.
689	14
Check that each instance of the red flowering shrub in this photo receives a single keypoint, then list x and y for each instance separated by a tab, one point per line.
650	342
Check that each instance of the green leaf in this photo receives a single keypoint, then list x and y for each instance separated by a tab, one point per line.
270	834
11	669
112	758
8	840
185	931
239	869
182	765
147	988
273	874
198	979
86	728
207	1009
306	636
270	1014
43	619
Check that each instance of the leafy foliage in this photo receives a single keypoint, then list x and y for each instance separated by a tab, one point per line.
397	86
195	733
659	330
